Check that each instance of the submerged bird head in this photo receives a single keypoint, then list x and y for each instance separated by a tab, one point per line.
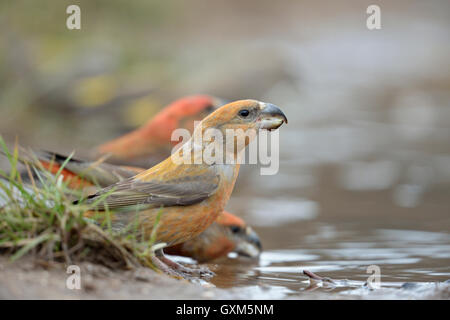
228	233
245	241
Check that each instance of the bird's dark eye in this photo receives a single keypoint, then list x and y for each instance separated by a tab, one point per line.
235	229
244	113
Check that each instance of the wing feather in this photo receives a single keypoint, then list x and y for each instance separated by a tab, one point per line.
155	193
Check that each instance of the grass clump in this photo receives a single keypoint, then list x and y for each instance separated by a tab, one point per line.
38	218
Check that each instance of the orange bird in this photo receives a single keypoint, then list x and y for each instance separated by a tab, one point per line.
228	233
191	194
151	143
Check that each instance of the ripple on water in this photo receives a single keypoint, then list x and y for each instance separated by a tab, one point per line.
283	256
413	236
298	269
261	211
399	253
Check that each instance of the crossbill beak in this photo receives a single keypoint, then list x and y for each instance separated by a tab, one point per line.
271	117
251	247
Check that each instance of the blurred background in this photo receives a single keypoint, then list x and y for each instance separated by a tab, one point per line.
365	159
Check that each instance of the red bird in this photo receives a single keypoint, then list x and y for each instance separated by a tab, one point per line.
151	143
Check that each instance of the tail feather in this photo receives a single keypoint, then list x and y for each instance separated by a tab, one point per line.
80	174
91	172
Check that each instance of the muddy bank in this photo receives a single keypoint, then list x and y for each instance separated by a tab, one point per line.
28	279
31	279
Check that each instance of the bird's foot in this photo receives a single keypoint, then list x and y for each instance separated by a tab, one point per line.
165	268
201	272
176	270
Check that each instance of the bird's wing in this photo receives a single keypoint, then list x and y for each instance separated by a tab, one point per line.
182	191
99	173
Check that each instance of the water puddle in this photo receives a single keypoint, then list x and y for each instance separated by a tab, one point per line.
412	264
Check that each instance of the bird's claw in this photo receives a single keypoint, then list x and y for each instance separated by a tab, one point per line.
199	272
177	270
205	272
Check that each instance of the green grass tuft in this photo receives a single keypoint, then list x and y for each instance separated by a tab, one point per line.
38	218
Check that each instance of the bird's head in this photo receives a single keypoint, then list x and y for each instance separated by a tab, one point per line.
195	105
246	114
245	240
181	114
239	122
